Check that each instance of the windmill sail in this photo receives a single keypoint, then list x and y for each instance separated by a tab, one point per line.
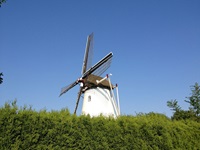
103	61
87	62
67	88
78	98
102	68
98	65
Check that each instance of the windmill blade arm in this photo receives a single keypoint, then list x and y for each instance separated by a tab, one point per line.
87	62
78	99
97	65
67	88
102	68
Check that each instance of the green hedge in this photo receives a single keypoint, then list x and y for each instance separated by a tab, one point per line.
27	129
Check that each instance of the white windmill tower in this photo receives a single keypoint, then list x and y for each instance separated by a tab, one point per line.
99	97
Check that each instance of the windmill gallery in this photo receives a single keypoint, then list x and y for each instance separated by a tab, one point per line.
99	93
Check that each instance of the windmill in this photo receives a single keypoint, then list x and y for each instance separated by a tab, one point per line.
99	97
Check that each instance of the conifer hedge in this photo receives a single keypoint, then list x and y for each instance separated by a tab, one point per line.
28	129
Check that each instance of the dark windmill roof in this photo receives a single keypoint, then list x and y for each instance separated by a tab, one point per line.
91	82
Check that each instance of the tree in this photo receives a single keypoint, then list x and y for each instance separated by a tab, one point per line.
1	78
2	1
194	99
194	109
173	104
184	114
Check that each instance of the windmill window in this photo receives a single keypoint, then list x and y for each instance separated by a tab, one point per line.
89	98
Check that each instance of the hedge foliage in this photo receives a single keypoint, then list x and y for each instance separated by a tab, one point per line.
28	129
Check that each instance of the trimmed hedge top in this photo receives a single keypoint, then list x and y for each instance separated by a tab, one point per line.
28	129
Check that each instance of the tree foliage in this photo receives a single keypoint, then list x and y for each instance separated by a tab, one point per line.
194	99
1	78
173	104
2	1
193	111
25	128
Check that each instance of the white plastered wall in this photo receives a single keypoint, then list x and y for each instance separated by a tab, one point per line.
98	101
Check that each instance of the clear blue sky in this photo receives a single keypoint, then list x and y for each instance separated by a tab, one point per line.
156	47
